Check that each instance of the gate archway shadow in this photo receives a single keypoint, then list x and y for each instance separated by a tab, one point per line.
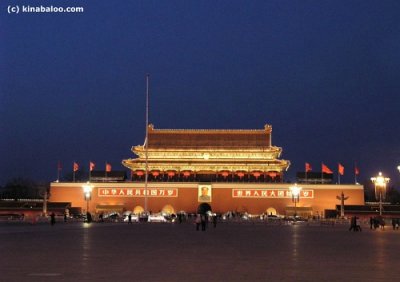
203	208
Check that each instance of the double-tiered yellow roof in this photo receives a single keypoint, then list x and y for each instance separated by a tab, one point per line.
205	151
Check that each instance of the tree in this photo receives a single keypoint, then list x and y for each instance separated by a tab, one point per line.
369	193
393	195
22	188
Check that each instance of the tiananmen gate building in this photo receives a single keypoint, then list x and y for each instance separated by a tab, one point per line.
228	170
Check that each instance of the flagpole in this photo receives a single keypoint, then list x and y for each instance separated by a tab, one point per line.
58	171
90	170
105	173
355	174
322	174
73	175
306	171
146	143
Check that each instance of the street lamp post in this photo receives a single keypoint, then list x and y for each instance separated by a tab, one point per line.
295	191
87	193
380	188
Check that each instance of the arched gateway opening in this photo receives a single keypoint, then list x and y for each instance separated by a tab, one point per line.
203	208
271	211
168	209
138	210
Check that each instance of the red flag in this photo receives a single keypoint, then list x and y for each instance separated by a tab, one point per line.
108	167
356	170
76	167
308	167
59	166
341	169
91	166
326	169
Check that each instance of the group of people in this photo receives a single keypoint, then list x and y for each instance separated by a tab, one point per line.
395	223
376	222
203	219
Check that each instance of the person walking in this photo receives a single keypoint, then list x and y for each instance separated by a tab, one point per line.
351	223
203	222
198	221
215	220
52	219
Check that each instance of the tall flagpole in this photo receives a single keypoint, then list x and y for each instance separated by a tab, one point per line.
58	171
322	174
306	169
73	175
355	173
146	144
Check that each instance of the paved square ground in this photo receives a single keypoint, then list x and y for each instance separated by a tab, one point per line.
177	252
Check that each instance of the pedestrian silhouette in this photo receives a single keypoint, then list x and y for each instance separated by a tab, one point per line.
52	219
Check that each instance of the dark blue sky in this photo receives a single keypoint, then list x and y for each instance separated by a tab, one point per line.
325	74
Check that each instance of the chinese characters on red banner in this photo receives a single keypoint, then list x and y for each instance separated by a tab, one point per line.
173	192
269	193
137	192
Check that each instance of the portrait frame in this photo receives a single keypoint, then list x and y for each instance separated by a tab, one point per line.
204	193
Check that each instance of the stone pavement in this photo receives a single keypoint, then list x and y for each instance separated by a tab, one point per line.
177	252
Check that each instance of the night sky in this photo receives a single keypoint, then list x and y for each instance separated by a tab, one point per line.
324	74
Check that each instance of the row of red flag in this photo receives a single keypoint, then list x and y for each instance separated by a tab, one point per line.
92	165
308	168
326	169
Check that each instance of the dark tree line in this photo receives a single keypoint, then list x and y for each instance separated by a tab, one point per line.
392	194
22	188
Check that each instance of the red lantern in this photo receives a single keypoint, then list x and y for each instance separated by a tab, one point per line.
139	172
171	173
186	173
155	173
240	174
272	174
256	174
225	174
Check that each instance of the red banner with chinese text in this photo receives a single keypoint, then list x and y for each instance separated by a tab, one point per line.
269	193
137	192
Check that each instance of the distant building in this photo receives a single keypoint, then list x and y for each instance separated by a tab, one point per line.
15	209
104	176
227	170
314	177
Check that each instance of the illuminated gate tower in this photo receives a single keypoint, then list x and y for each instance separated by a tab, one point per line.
222	169
209	155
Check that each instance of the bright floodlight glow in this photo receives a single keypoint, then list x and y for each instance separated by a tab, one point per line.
380	180
398	167
87	188
295	190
